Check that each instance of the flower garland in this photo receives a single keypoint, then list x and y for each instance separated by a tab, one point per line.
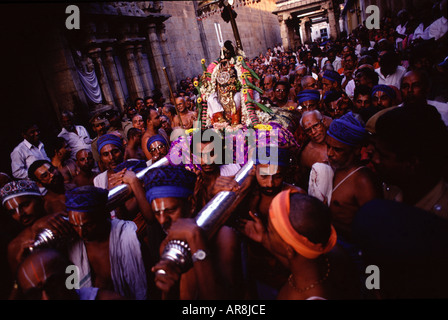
249	114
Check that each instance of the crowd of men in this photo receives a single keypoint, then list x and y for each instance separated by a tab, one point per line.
366	187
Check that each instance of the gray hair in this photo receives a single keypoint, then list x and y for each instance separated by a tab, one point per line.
311	112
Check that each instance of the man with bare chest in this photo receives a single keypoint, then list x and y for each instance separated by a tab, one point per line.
48	176
316	149
353	184
85	163
281	96
108	252
266	274
187	117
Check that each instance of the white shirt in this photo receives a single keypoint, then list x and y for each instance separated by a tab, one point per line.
23	156
392	79
400	30
438	28
350	88
337	63
421	32
76	141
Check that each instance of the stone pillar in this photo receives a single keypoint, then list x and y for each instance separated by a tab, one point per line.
305	30
332	20
133	76
166	57
157	56
95	54
109	63
145	71
284	33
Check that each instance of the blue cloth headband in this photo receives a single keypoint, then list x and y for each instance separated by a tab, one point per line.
86	199
264	155
307	95
109	139
347	130
384	88
154	138
332	76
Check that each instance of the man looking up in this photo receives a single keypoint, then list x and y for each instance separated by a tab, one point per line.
49	177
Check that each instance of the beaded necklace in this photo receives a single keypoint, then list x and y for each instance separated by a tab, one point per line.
292	282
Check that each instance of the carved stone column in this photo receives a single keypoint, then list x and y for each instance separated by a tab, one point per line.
109	63
166	57
157	56
133	76
333	21
95	54
145	71
284	32
306	29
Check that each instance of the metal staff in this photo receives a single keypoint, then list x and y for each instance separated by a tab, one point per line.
172	96
120	193
209	219
116	196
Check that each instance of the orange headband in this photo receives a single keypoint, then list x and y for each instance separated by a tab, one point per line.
279	215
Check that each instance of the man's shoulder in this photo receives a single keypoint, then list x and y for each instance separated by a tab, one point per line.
287	186
62	132
19	147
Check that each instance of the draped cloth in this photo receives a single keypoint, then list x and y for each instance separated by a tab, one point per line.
90	85
321	182
126	263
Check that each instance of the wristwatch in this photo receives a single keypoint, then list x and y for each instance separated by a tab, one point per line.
199	255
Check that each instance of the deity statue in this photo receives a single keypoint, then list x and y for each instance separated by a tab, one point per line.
227	95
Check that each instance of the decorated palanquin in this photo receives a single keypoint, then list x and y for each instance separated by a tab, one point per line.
229	104
227	94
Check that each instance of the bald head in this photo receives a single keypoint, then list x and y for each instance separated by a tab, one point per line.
181	104
269	82
41	275
414	87
308	83
310	218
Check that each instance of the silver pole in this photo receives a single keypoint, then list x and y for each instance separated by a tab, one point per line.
209	219
119	194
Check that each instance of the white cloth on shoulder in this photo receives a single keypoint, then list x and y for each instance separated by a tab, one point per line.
321	182
102	181
126	262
